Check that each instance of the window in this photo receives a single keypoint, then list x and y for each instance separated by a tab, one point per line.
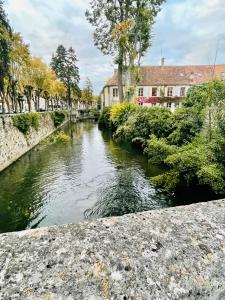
223	74
182	92
170	92
169	104
115	92
153	104
154	92
141	92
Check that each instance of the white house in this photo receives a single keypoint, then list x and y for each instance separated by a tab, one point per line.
164	85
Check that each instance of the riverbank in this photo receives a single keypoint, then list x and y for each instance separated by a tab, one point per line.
189	148
20	133
163	254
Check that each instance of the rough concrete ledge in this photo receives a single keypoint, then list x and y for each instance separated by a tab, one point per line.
176	253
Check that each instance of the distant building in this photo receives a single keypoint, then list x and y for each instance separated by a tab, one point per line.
164	85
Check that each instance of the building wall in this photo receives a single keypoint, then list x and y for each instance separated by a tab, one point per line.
108	99
13	143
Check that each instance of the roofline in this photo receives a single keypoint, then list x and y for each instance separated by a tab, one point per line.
199	65
180	66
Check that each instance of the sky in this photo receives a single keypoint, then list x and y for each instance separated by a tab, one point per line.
185	32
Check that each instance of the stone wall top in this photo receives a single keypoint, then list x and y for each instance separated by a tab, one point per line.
175	253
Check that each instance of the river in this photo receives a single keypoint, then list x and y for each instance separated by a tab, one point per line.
91	176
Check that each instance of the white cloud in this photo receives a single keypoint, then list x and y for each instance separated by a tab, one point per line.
186	31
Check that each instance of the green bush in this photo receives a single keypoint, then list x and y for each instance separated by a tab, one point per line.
144	122
104	119
120	112
186	124
58	117
158	149
59	137
24	122
192	165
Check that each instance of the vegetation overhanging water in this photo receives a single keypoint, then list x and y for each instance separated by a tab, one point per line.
91	176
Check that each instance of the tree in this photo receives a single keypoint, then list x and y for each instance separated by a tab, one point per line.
58	92
208	102
19	60
37	81
5	35
123	29
87	93
64	64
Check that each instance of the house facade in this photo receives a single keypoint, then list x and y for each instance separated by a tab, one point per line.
164	85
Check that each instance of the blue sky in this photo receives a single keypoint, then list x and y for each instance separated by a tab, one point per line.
186	32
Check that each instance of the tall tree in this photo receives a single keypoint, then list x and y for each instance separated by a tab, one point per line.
19	61
64	63
123	29
5	35
87	93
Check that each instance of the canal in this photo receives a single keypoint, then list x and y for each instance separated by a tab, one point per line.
91	176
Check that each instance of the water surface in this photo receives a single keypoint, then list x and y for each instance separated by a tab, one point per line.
91	176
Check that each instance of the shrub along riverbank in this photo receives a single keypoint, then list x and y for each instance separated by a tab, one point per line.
24	122
189	143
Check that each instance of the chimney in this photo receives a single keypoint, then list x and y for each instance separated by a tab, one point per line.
162	61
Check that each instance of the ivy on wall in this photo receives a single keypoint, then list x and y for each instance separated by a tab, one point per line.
58	117
25	122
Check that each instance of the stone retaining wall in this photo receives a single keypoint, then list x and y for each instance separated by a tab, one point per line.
13	143
176	253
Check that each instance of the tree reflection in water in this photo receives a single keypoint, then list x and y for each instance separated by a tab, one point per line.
128	190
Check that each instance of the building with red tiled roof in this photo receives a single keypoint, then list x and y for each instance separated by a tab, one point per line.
164	85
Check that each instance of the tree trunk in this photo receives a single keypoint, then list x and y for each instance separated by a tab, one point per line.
120	82
7	103
3	103
132	81
14	96
69	95
20	106
29	104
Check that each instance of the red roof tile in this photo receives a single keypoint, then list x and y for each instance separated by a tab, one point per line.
176	75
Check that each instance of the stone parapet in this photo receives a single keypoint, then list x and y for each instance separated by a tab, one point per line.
175	253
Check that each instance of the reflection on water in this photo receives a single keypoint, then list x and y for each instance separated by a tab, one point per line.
91	176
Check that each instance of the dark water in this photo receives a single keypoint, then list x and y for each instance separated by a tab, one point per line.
91	176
